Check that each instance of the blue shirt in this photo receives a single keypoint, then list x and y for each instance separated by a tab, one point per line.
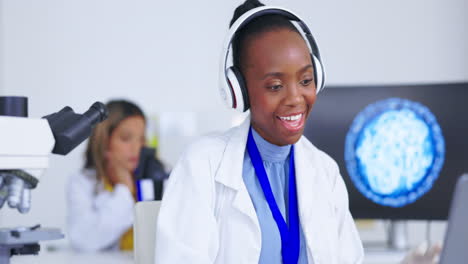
276	161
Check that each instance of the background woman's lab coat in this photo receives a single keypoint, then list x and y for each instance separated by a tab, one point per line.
97	218
207	215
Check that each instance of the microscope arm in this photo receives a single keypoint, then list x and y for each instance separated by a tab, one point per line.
26	144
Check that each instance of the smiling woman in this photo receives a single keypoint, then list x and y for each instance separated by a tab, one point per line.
261	192
280	83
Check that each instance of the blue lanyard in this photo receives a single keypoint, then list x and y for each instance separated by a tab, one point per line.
290	240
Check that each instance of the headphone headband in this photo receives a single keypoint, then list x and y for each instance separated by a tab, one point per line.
234	96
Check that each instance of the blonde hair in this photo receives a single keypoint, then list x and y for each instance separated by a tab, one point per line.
118	110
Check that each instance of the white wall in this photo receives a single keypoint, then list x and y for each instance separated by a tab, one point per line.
74	53
394	41
165	57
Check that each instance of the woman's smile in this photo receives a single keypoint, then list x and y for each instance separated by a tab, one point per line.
292	122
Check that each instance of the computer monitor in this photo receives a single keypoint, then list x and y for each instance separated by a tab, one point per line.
399	148
456	237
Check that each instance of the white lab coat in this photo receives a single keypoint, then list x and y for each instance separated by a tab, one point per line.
207	215
96	217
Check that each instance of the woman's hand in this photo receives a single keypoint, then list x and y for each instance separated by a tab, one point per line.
117	173
424	255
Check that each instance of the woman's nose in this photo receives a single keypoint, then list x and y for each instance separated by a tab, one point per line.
293	95
136	147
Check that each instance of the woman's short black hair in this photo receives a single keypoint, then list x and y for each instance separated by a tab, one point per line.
257	26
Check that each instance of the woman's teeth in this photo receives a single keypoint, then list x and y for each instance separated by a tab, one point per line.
291	118
292	123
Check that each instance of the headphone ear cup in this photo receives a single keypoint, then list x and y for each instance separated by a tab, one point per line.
226	93
319	74
238	88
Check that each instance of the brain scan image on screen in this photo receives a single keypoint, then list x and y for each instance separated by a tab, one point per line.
394	151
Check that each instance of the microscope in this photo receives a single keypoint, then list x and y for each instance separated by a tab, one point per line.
25	144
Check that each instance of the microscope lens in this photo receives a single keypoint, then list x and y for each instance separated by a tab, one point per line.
15	189
25	204
3	194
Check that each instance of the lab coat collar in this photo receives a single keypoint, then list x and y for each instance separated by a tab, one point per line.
233	155
230	173
306	178
310	197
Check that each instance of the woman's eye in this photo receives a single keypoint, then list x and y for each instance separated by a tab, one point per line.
306	82
125	138
275	87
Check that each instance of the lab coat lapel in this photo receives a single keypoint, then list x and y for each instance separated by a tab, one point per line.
308	192
230	171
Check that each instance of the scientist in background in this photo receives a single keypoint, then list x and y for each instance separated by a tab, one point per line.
102	195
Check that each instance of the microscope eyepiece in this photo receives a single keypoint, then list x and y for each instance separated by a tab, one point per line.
97	112
70	129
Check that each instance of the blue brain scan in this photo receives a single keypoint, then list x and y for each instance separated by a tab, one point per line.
394	151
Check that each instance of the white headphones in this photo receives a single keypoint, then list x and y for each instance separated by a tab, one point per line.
231	82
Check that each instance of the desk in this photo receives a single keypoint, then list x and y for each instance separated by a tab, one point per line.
69	257
383	257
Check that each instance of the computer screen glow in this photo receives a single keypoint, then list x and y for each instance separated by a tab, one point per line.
394	151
